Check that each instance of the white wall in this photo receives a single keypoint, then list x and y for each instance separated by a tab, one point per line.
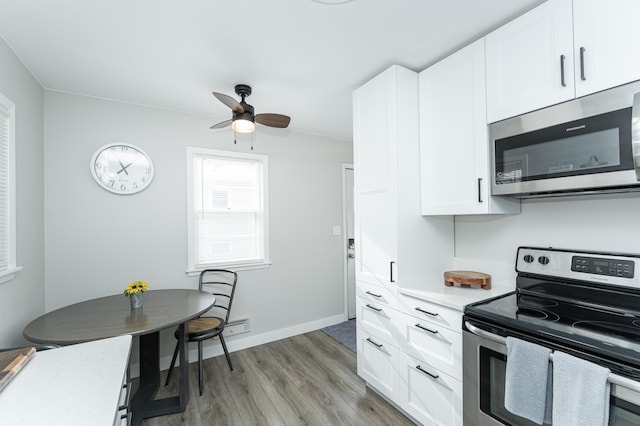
22	299
97	242
605	222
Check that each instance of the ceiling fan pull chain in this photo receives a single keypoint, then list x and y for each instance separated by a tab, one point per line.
251	141
234	137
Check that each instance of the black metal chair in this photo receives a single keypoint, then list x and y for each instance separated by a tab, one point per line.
222	284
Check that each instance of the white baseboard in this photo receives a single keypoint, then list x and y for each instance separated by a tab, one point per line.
213	348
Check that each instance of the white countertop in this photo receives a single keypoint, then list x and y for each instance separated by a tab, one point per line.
73	385
456	297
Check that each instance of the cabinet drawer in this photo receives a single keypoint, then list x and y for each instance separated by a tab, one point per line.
436	345
432	312
377	318
374	293
377	363
429	395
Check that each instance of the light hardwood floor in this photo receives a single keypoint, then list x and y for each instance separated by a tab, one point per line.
308	379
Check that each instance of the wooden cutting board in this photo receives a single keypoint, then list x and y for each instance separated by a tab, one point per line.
11	362
467	279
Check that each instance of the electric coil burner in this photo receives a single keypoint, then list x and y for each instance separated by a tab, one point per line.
585	304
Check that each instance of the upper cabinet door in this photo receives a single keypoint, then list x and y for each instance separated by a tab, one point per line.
530	61
453	134
454	146
606	49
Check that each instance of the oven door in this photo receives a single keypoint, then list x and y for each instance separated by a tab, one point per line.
484	370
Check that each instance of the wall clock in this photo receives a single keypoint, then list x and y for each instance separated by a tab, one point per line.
121	168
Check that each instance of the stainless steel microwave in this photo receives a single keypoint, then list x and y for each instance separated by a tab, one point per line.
582	146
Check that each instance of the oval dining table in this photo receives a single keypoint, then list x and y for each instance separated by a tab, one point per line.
112	316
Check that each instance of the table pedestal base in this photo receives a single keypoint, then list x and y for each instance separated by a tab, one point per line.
143	405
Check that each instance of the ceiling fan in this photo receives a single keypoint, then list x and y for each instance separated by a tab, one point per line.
244	119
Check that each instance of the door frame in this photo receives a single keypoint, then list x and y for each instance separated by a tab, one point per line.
345	237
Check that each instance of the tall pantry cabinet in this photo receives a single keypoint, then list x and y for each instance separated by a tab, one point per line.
395	245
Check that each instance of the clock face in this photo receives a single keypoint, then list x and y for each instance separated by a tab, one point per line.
122	168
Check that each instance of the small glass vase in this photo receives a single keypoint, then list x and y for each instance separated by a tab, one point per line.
136	300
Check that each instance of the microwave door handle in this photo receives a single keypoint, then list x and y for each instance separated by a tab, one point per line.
480	190
562	82
635	134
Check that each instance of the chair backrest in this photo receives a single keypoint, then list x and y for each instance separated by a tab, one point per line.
222	284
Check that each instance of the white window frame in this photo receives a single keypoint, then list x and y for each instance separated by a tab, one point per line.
193	268
9	234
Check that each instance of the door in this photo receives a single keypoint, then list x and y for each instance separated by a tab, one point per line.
530	61
605	44
375	180
350	258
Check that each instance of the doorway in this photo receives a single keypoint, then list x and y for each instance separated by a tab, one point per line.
348	241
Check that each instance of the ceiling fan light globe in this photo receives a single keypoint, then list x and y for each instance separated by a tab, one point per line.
243	126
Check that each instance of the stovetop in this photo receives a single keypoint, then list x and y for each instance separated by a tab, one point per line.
588	315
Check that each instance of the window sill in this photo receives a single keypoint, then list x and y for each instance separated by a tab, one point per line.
9	274
195	271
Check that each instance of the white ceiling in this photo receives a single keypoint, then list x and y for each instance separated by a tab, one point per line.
302	58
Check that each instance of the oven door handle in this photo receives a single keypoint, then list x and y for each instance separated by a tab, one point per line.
480	332
614	379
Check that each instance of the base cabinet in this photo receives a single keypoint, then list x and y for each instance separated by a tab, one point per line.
429	395
377	361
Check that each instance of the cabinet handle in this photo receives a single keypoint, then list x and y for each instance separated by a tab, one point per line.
433	376
480	190
391	271
373	294
582	76
374	308
562	82
426	312
377	345
426	329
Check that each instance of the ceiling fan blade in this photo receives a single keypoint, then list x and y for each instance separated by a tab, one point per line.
221	124
229	101
273	120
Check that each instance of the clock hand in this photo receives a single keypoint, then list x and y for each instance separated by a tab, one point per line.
124	168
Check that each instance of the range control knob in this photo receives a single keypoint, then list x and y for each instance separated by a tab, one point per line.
543	260
528	258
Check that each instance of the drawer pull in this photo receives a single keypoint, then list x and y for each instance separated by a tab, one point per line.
373	294
377	345
374	308
426	312
426	329
433	376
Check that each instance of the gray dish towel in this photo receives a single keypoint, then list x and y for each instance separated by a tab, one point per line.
580	392
527	380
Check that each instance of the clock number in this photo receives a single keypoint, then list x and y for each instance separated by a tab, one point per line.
135	185
123	187
147	171
111	183
143	179
99	166
124	148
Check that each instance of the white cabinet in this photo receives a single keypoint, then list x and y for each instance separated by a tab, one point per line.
428	395
395	244
527	60
560	50
377	364
430	361
605	44
454	144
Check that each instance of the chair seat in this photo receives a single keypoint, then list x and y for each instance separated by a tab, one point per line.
203	328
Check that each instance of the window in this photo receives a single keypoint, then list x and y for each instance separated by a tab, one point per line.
7	191
227	208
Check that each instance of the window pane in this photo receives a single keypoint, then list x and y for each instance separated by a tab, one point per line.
5	123
228	216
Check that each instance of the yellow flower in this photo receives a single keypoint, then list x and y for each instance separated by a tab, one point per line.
135	287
